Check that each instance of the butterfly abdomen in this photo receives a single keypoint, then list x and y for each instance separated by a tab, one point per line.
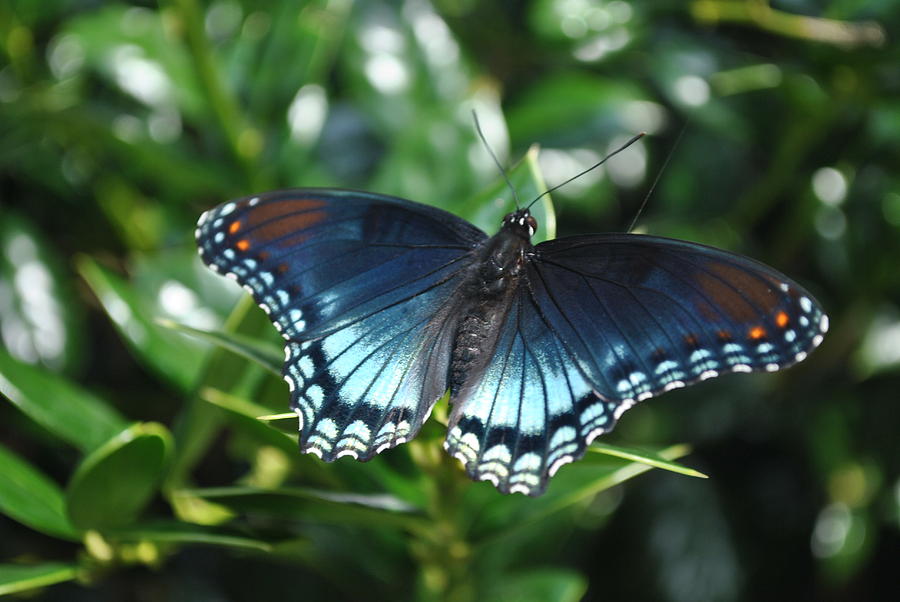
470	345
485	297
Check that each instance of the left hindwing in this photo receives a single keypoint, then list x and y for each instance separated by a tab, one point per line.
360	286
602	322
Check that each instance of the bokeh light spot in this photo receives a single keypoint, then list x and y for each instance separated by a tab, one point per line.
830	186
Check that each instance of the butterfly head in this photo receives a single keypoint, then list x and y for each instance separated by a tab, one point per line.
520	222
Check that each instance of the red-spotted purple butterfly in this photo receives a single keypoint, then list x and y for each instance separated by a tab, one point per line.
385	304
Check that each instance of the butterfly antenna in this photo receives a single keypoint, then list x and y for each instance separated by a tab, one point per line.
656	180
494	157
591	168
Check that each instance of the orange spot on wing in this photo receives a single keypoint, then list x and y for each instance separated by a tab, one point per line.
739	293
757	332
243	245
781	319
266	212
284	219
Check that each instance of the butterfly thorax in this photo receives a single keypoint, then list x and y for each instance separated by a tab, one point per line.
486	294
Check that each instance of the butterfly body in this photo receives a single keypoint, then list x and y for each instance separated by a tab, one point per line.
492	279
385	304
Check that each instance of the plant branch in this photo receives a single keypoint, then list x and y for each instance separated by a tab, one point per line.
760	14
244	142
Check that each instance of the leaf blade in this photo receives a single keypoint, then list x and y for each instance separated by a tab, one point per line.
644	457
265	355
67	411
172	357
21	578
115	482
31	498
186	533
488	207
316	505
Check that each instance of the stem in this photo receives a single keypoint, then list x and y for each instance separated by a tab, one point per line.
760	14
443	553
244	142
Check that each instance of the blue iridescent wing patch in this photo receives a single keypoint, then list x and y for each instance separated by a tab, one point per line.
359	285
523	419
602	322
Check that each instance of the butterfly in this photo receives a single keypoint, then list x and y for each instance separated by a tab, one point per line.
385	304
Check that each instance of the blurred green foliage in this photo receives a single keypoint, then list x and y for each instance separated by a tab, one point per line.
133	464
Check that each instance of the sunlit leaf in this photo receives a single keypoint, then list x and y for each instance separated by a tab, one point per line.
243	415
644	457
129	47
242	406
487	208
40	320
180	288
263	354
539	585
173	356
566	492
410	70
15	578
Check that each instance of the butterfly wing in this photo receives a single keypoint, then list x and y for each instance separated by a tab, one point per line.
521	421
602	322
360	287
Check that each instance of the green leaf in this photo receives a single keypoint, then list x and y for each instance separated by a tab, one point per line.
31	498
174	357
38	320
267	356
487	208
199	422
644	457
114	483
311	39
117	41
251	419
244	414
70	413
315	506
16	578
242	406
559	585
575	108
184	533
179	287
573	485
